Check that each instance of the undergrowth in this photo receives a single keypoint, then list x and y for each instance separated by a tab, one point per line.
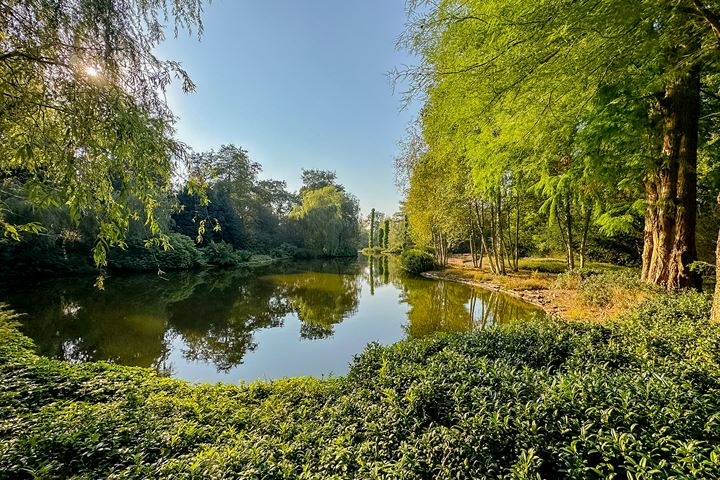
634	398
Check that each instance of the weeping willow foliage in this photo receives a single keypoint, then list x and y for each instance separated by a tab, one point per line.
84	122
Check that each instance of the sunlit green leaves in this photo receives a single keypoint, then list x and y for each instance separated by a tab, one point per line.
635	398
84	121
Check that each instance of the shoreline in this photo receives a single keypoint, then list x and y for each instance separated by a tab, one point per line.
540	298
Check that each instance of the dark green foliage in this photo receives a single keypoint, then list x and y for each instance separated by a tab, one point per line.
43	256
636	398
286	250
236	210
386	233
182	254
417	261
222	254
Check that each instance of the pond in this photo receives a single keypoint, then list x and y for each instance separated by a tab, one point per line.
295	318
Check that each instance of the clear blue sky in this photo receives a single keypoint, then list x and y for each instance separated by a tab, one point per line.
299	84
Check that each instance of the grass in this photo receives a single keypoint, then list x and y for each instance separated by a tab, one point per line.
556	265
367	251
573	294
517	282
632	398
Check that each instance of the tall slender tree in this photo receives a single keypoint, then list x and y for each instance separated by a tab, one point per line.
386	237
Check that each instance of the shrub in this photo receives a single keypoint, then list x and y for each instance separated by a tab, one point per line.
182	254
607	288
395	249
372	251
417	261
633	398
285	250
44	256
257	259
223	254
305	253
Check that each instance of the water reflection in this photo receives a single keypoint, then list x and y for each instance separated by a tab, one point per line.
296	318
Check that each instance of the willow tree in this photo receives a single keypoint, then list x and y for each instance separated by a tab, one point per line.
529	70
328	220
84	122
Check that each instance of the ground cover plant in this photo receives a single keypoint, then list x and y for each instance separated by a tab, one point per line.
633	398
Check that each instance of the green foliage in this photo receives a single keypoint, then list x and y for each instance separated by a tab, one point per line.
554	113
222	254
329	221
417	261
286	250
386	233
600	290
636	398
180	254
372	251
85	124
42	257
371	237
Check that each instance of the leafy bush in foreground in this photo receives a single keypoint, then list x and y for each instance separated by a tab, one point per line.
416	261
637	398
609	287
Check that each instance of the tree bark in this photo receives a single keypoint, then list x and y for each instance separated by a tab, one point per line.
517	235
570	242
583	240
715	313
480	213
671	190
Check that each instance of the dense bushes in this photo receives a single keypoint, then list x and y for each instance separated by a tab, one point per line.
222	254
417	261
43	256
602	289
182	254
636	398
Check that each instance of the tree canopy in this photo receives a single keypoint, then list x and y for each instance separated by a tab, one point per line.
84	121
586	113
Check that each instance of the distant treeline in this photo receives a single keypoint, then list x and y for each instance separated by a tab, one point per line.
221	214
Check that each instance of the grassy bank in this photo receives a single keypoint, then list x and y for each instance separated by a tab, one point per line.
599	292
635	398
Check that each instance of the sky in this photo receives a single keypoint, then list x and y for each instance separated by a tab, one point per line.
299	84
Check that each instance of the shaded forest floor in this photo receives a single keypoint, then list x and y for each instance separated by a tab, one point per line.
545	283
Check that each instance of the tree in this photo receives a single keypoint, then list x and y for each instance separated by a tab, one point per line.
371	239
386	235
84	120
315	179
329	221
555	71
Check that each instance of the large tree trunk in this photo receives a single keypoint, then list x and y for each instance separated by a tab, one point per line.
715	315
670	190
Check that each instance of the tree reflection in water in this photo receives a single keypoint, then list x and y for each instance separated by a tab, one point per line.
320	300
213	317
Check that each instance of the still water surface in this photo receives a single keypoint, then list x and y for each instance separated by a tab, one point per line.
298	318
